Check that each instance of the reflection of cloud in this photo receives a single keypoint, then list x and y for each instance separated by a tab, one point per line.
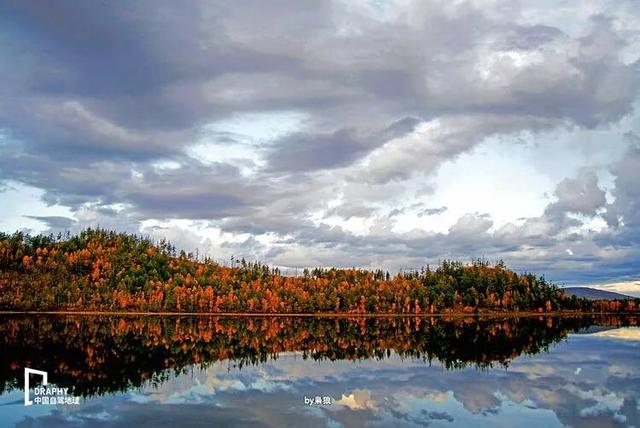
605	402
438	396
476	398
266	385
392	392
550	398
535	370
438	415
215	383
359	399
620	370
139	398
625	333
212	381
101	416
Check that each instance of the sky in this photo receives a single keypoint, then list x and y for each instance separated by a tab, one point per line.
375	134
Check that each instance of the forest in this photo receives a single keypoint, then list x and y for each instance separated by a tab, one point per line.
100	270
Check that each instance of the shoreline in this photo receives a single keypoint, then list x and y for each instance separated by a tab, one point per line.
318	314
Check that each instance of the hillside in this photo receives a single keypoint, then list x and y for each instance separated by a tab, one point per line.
594	294
108	271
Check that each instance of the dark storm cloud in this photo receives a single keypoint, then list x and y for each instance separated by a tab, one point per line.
300	152
55	222
94	95
400	128
124	58
118	82
194	191
308	152
135	81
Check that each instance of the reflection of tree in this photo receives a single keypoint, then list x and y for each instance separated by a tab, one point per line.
96	355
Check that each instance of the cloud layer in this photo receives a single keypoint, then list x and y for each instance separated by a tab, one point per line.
313	134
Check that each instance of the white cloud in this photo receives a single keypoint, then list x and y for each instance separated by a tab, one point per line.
359	399
623	333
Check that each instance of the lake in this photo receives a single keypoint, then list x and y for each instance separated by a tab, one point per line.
320	372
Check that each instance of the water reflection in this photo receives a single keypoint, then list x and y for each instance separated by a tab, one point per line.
234	371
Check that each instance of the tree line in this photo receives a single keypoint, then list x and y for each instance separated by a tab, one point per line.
108	271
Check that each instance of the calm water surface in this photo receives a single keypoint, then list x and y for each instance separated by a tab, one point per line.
177	371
